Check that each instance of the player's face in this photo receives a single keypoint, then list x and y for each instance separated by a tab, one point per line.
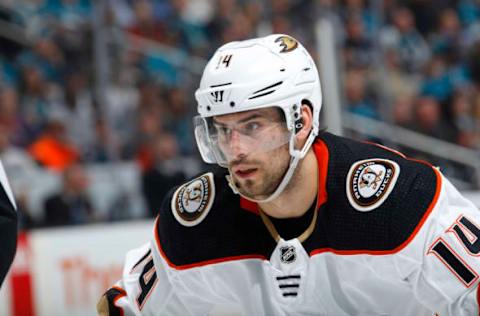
246	139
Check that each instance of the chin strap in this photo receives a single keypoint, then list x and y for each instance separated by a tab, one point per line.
283	184
296	155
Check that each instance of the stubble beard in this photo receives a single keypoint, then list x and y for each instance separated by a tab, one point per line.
270	174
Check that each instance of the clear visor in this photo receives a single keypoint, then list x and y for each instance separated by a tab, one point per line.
223	143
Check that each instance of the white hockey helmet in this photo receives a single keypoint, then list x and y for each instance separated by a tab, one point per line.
275	70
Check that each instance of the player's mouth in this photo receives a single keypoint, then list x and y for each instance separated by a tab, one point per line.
245	173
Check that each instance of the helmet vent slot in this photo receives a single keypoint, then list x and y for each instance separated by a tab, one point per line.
220	85
261	95
265	91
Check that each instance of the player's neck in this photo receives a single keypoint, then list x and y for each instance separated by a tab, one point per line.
299	194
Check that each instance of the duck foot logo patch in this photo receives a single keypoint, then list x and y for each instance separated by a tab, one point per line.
369	182
192	201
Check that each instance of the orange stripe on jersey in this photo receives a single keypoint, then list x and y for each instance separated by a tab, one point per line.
323	156
249	205
385	147
402	245
200	263
400	154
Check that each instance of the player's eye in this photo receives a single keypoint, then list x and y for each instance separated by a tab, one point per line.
223	131
251	128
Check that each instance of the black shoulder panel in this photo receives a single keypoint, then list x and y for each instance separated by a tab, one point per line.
342	227
227	232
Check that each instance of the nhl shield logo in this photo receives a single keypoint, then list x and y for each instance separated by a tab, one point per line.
193	200
369	182
288	254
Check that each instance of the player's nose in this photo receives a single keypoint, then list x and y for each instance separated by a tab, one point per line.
238	146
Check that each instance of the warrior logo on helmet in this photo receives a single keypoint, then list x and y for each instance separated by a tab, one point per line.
287	43
369	182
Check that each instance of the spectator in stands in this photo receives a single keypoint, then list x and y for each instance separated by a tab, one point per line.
122	12
34	104
70	206
357	99
178	120
471	31
448	38
426	13
281	24
358	48
404	38
106	146
53	149
15	159
473	61
150	117
429	119
145	25
468	11
8	106
463	119
290	17
450	42
8	72
120	110
76	110
403	111
360	10
476	107
74	14
191	34
395	80
47	57
437	83
238	28
166	173
222	17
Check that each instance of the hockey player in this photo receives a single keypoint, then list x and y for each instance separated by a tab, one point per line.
8	225
304	222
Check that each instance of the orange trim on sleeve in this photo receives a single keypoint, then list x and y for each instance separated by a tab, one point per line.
402	245
200	263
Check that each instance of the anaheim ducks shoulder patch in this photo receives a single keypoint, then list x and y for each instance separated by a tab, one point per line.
370	182
193	200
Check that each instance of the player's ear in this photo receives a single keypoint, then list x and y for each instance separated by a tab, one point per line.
303	125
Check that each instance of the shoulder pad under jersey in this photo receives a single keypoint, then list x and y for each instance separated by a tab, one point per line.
377	197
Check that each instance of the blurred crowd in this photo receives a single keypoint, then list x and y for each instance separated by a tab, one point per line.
412	63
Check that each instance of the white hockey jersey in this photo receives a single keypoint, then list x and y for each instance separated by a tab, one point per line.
391	236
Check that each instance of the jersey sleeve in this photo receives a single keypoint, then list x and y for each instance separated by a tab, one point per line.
442	262
8	225
145	289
